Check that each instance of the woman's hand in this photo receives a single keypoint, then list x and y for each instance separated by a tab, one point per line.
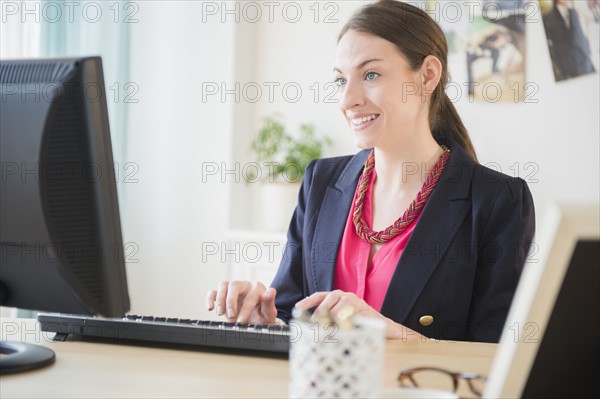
331	303
243	302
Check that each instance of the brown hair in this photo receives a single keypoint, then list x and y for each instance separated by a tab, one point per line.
416	35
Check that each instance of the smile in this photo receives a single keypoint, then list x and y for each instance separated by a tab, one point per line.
364	119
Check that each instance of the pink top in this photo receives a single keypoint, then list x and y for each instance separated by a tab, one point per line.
353	272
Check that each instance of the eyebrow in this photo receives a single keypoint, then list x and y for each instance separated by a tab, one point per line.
361	65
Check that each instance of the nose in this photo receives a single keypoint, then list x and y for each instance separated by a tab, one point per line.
352	95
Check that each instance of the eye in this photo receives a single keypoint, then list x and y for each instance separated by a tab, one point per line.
371	75
339	81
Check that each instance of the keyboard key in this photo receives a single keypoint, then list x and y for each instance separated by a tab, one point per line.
275	329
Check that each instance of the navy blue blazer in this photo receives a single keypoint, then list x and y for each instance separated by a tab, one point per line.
461	264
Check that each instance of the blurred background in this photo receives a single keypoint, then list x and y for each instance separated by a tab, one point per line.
190	83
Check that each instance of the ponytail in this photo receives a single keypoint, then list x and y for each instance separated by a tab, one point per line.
445	123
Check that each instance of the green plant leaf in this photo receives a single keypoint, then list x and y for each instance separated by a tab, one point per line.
291	155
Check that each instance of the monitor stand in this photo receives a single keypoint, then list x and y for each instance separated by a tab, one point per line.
16	357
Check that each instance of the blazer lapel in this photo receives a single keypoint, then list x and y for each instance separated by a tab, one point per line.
442	216
331	223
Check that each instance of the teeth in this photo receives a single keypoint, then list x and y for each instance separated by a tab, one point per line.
360	121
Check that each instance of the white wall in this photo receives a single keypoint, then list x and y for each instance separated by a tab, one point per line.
559	133
171	212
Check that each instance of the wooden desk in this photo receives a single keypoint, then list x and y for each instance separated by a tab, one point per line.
85	369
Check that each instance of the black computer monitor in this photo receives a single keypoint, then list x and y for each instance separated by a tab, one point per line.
61	248
551	341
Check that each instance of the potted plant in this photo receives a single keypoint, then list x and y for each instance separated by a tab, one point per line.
282	160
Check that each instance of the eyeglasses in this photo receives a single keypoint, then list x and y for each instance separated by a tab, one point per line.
433	377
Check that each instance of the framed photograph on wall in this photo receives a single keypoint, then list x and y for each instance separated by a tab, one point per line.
495	52
486	43
572	32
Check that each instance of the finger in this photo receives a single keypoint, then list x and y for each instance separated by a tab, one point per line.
267	305
210	299
343	309
251	301
221	295
311	301
327	304
236	291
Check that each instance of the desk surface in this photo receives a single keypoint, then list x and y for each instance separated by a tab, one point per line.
85	369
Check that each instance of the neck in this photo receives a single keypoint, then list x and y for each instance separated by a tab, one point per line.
406	164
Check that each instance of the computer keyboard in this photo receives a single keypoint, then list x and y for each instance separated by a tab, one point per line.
133	329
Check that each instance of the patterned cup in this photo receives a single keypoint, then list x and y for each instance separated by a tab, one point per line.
327	360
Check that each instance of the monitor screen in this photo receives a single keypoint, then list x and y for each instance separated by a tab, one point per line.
60	236
567	362
550	344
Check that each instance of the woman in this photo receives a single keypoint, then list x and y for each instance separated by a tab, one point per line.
411	229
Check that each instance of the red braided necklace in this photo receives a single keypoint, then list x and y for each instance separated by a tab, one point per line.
413	210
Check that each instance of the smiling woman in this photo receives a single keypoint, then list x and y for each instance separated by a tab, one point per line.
411	229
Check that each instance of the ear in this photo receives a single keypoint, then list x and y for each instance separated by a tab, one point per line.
430	74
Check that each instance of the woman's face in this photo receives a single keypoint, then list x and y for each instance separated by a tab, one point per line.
379	95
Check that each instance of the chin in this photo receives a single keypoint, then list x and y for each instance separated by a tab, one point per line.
363	142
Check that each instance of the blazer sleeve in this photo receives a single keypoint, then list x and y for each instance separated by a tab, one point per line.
289	279
502	252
